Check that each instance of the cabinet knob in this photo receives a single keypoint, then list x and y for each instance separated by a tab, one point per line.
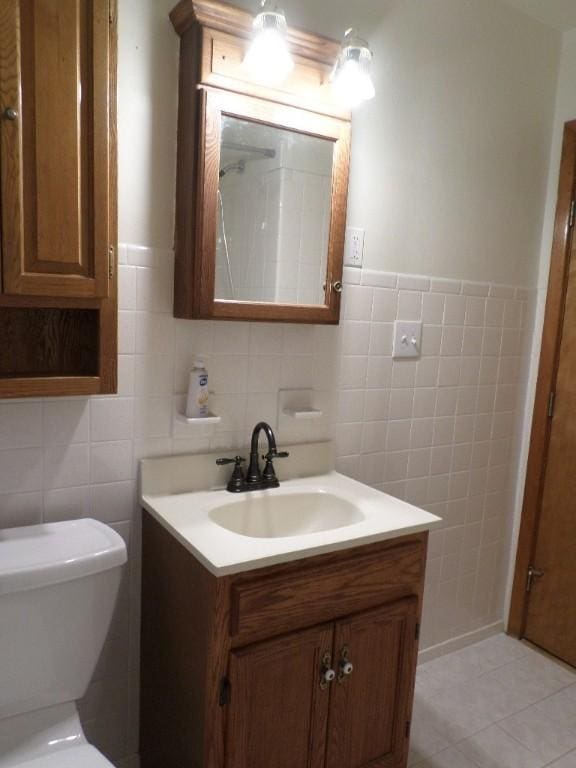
10	114
327	674
345	665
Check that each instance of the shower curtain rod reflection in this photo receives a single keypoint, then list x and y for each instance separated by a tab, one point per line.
252	150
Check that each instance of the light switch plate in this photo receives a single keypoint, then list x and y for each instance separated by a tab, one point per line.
354	247
407	338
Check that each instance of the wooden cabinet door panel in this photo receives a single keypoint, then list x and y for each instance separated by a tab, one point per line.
370	708
54	74
278	712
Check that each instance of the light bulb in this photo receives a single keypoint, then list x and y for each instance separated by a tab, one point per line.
268	59
351	80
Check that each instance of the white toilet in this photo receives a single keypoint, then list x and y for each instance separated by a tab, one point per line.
58	586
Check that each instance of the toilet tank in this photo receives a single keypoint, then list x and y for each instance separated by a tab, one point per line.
58	587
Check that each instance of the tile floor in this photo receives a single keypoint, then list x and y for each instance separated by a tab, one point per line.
495	704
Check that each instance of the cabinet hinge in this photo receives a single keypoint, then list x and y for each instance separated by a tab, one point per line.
551	403
417	631
572	218
111	261
407	729
224	695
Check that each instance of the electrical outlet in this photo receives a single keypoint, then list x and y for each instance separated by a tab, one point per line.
354	247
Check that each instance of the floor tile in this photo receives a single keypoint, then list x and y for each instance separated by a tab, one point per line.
540	733
494	748
448	758
425	741
568	761
529	680
561	708
497	704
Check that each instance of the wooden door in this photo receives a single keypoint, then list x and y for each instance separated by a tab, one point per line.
278	711
551	615
55	133
370	708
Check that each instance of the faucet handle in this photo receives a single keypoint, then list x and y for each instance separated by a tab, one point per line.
236	482
237	460
275	455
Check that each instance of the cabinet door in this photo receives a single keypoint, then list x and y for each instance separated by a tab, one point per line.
370	707
278	709
55	134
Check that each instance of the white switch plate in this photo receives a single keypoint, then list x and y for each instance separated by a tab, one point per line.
354	247
407	338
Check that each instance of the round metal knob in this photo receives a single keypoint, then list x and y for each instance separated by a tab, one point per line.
10	114
329	675
345	666
337	286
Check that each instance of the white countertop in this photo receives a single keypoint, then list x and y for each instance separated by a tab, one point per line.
187	516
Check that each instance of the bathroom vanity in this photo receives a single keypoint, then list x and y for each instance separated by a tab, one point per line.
269	643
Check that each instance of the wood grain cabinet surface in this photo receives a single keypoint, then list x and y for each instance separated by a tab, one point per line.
222	691
214	88
58	196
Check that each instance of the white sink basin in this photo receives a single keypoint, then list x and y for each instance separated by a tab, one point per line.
266	515
229	533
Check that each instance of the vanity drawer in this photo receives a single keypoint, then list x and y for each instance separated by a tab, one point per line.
311	595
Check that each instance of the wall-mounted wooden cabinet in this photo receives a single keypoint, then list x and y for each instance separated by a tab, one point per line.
262	178
307	664
58	302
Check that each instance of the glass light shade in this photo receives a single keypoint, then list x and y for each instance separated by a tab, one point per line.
268	59
351	80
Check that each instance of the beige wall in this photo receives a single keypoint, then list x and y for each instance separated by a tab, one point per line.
565	110
450	160
147	108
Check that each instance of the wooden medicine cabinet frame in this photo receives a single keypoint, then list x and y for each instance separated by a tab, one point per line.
215	37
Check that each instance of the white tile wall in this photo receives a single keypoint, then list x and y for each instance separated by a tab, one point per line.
440	432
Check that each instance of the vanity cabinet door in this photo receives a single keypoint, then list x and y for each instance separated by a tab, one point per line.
370	706
55	132
278	708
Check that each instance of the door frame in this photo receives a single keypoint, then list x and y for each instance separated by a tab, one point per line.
547	373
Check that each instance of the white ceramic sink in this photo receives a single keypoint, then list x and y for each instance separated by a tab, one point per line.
273	516
230	533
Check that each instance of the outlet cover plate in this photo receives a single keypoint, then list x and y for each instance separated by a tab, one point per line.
354	247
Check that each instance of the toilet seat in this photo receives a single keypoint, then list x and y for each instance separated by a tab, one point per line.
84	756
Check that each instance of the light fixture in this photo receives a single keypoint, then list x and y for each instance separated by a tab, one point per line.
268	59
351	80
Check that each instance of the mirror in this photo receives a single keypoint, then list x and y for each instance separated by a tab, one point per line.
263	219
273	214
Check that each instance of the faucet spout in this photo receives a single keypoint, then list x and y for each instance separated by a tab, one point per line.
254	475
255	479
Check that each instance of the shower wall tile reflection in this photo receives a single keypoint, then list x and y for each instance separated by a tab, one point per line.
273	215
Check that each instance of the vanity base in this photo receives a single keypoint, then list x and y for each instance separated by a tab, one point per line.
235	669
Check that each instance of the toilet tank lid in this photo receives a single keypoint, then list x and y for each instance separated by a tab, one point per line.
39	555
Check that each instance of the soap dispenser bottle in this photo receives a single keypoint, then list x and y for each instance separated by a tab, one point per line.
197	402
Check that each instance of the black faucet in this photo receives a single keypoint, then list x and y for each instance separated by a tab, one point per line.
255	480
